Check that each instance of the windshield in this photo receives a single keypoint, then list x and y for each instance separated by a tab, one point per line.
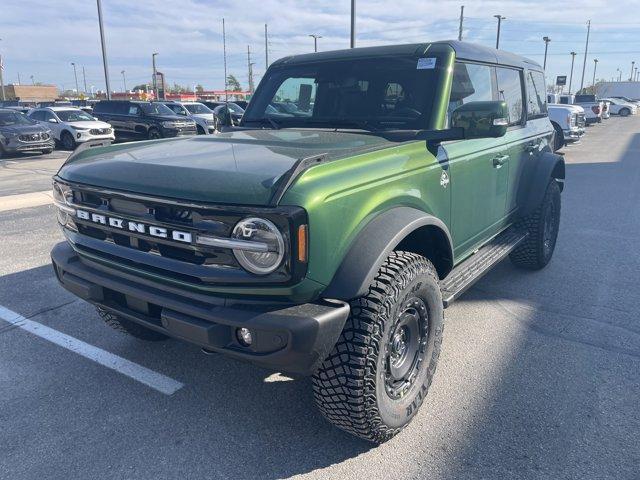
197	108
156	109
375	93
236	108
8	119
74	116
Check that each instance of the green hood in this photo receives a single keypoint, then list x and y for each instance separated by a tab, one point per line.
240	167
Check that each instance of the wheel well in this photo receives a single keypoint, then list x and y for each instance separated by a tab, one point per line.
432	243
559	173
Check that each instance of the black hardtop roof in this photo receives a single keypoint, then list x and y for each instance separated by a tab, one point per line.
125	101
463	51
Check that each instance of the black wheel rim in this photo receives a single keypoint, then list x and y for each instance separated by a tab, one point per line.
154	135
550	228
406	348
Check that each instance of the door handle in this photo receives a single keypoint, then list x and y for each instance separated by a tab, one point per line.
499	161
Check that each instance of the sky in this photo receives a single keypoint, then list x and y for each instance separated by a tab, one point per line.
41	38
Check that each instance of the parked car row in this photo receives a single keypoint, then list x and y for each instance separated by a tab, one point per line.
570	114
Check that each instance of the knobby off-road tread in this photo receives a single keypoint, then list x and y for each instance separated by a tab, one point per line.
131	328
529	254
345	385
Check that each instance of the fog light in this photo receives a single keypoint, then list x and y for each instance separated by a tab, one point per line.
244	336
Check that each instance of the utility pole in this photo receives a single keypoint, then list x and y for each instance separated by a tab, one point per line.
573	59
461	22
84	79
546	47
124	82
250	69
104	50
75	74
632	65
500	18
586	51
595	66
315	41
353	23
266	48
224	53
19	82
32	80
155	75
619	74
1	79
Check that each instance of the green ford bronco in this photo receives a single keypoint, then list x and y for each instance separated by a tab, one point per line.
363	191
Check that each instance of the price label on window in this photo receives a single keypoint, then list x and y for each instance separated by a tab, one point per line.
426	63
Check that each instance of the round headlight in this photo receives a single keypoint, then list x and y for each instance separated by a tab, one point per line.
262	231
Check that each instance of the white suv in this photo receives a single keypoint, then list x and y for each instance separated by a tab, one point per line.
206	121
71	126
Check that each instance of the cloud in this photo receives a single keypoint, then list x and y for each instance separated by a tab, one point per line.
188	34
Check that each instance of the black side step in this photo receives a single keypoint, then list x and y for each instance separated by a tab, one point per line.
474	267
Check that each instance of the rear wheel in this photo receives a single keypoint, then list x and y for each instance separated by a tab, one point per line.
543	225
67	141
47	151
153	134
625	112
378	374
127	326
200	130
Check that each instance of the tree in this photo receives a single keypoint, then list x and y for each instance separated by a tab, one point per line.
199	88
142	86
233	84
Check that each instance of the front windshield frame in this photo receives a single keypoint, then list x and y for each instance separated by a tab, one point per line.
66	116
422	86
15	118
157	109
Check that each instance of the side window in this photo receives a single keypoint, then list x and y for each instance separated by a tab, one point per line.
47	115
37	116
133	110
471	83
295	96
564	100
536	100
510	90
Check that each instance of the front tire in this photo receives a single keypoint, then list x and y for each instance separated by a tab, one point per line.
558	138
379	372
543	225
67	141
127	326
154	134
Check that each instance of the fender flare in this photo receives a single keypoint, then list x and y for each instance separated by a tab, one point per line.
548	165
374	243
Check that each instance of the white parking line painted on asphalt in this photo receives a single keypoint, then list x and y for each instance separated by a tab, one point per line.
155	380
25	200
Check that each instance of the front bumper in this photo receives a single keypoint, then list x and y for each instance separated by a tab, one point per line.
15	145
82	137
573	135
286	337
178	132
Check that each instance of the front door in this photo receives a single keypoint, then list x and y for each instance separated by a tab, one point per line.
478	169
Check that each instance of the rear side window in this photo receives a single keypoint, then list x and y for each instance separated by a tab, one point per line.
510	90
536	98
471	83
103	107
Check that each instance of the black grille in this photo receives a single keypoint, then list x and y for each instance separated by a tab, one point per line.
100	131
34	137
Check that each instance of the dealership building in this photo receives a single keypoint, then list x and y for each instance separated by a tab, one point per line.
30	93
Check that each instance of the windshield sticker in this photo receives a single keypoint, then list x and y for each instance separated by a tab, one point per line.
426	64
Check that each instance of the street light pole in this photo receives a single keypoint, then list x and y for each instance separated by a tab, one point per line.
353	23
461	22
266	47
315	41
155	81
124	82
546	47
84	79
75	74
595	66
573	59
500	18
632	65
586	51
619	74
104	50
1	78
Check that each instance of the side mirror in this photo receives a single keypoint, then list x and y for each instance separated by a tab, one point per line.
53	120
481	119
95	118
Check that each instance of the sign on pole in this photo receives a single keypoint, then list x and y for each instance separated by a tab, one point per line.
561	80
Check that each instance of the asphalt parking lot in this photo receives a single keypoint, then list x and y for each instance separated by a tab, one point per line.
539	375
